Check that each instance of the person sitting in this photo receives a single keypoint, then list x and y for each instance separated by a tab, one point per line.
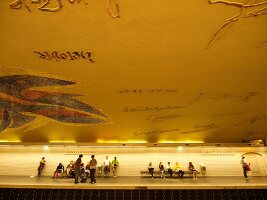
72	171
87	169
69	168
83	174
192	170
177	170
82	169
169	169
59	170
161	169
151	170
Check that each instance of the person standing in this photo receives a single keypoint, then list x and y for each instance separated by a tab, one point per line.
114	164
244	166
93	164
106	166
78	168
41	166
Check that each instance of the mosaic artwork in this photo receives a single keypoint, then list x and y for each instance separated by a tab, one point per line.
21	104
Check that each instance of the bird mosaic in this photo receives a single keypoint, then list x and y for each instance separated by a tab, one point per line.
21	104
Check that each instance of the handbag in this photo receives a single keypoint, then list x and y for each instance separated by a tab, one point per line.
247	167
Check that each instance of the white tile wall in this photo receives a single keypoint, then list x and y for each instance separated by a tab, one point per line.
219	161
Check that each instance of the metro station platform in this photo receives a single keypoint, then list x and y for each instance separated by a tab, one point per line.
133	183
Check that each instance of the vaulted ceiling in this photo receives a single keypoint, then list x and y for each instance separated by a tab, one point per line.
133	71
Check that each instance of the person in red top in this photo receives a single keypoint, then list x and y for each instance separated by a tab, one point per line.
78	168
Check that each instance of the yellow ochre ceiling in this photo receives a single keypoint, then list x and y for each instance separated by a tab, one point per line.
133	71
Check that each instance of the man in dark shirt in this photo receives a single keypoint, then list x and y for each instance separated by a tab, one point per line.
59	169
41	166
92	164
78	168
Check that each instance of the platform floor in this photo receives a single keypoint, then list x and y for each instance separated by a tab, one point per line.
135	183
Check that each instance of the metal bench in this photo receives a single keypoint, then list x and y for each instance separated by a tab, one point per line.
145	173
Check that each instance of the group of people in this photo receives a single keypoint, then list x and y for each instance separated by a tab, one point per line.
91	168
176	169
77	169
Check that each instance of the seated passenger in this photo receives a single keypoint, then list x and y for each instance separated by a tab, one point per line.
192	170
59	170
87	169
177	170
72	172
84	173
82	169
69	168
161	169
169	169
151	169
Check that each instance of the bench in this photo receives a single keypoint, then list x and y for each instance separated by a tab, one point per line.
145	174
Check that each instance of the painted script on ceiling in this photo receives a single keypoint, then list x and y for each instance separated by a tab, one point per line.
74	55
246	10
77	152
113	8
148	91
155	132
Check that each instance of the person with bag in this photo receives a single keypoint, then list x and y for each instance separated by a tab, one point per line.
244	166
114	164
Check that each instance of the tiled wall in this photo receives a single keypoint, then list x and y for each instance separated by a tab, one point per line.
219	161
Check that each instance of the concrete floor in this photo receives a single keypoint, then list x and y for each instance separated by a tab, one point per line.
135	183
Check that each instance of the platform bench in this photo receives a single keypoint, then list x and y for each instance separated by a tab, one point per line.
157	173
